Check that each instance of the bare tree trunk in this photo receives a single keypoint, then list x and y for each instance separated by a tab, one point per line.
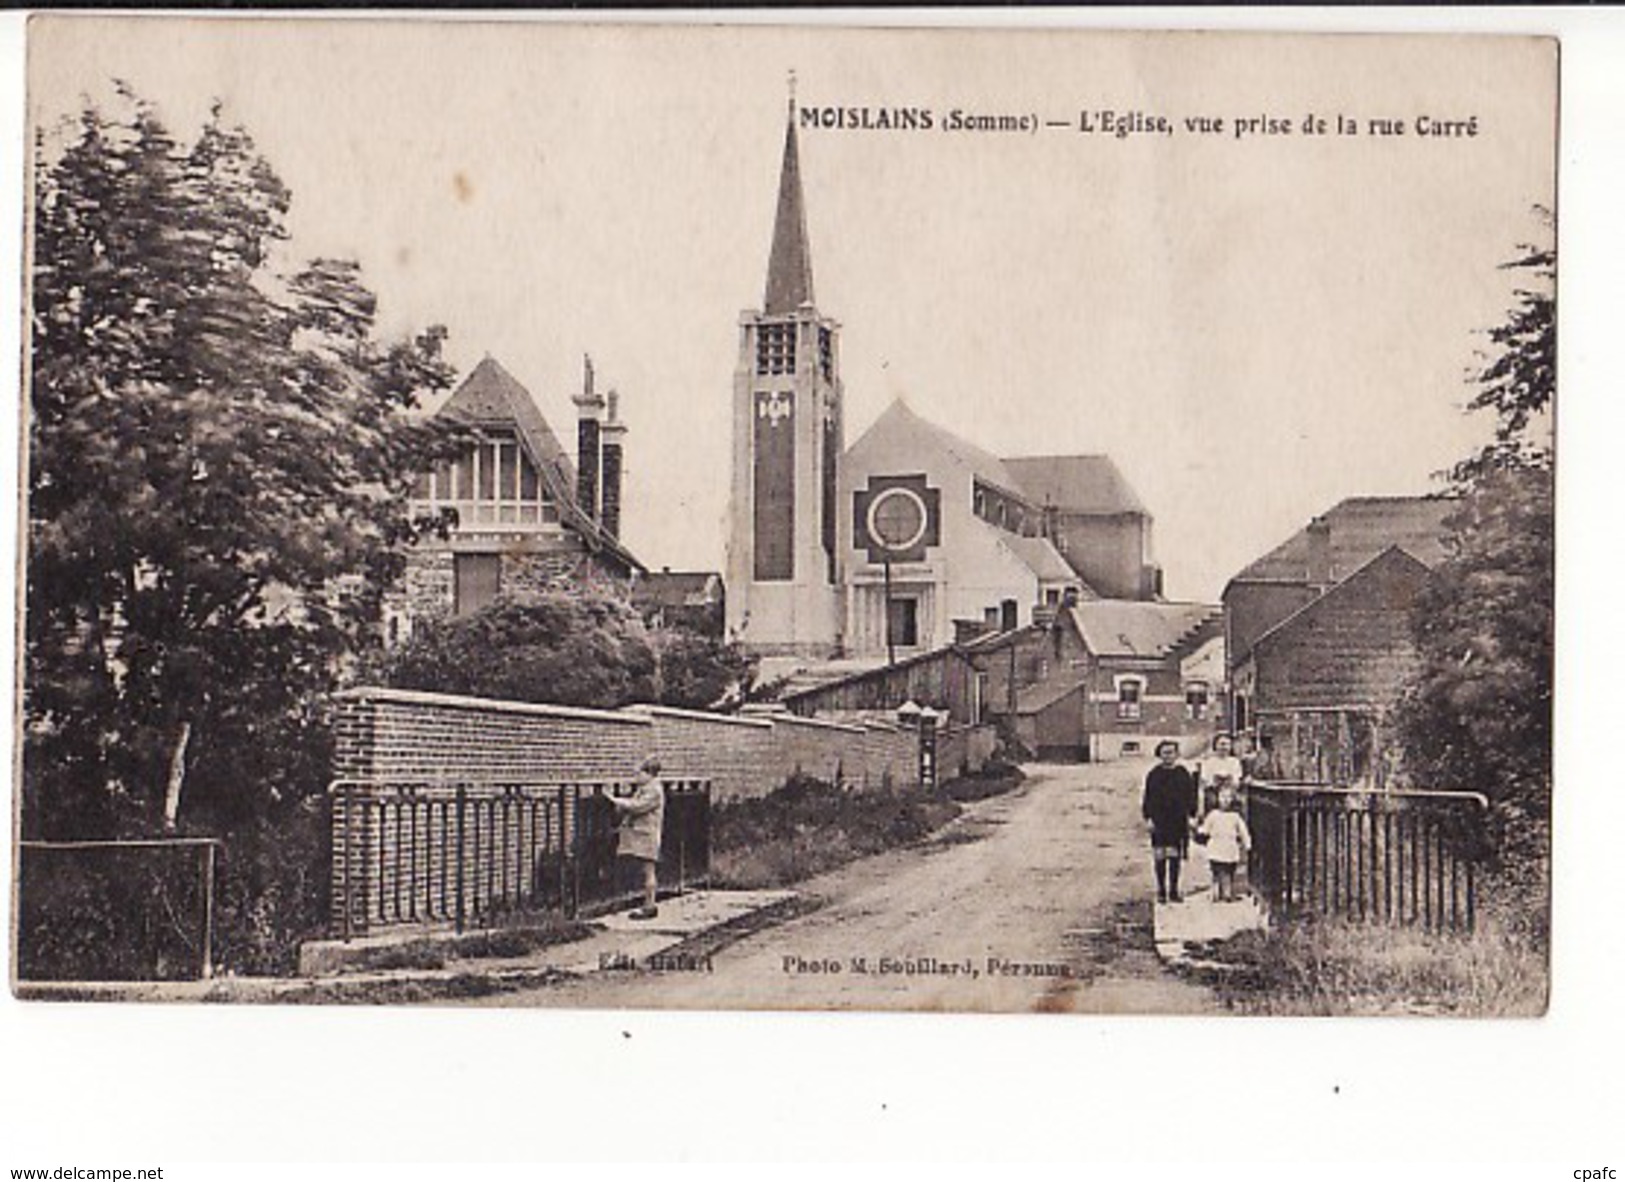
177	776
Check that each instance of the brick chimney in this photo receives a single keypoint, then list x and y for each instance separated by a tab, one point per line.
614	441
589	416
1319	560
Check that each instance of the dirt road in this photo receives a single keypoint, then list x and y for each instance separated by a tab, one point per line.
1037	900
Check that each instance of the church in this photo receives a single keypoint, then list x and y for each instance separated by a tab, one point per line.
911	536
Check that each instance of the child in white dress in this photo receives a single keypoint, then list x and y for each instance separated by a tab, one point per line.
1224	832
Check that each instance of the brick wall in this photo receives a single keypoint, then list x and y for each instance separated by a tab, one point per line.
412	751
1252	609
1162	713
736	754
401	735
404	735
1043	656
865	756
1353	646
965	749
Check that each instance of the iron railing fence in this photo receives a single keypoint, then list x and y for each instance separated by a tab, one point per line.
471	854
116	910
1406	857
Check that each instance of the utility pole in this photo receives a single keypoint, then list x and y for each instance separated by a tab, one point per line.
891	644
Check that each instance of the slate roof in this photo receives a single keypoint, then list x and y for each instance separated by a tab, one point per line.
1136	628
1075	484
1040	556
825	675
490	396
789	264
900	417
1036	698
678	588
1361	528
995	640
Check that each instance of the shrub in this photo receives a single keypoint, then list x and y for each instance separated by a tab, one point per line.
809	826
274	889
993	778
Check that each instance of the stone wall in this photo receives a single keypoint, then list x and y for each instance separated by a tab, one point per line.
427	590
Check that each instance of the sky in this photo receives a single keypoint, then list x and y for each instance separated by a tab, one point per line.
1252	328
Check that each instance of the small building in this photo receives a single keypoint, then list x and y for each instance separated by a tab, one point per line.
1155	672
1320	630
522	515
693	600
1046	721
945	679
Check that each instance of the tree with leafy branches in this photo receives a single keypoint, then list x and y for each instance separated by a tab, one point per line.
1478	714
220	453
568	646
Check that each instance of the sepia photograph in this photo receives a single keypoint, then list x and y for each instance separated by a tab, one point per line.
639	517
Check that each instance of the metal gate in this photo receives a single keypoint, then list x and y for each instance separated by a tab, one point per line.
135	910
1405	857
471	854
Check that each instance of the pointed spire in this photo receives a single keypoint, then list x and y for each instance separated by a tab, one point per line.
789	266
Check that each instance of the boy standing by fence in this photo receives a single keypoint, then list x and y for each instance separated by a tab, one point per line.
642	814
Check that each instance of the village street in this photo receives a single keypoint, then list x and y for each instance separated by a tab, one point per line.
1036	900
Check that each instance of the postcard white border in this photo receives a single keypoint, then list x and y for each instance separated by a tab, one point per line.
95	1085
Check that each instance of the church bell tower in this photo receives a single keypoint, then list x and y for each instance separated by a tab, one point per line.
783	575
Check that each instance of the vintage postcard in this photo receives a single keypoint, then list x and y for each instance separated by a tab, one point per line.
787	518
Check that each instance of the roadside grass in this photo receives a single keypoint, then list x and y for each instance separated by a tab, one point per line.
1337	967
810	826
522	938
408	991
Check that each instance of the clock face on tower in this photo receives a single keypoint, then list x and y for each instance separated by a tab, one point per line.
896	518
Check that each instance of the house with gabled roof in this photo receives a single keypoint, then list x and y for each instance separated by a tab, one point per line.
1155	672
1319	635
1326	551
520	514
